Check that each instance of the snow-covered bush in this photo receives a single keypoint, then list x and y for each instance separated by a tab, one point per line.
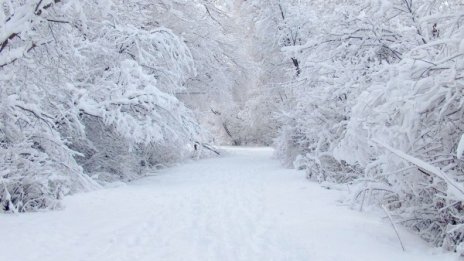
416	107
88	89
38	167
378	103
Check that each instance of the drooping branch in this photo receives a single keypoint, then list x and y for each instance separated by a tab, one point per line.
38	11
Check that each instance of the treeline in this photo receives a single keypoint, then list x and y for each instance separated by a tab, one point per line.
94	92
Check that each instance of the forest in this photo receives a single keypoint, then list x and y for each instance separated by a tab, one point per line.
360	94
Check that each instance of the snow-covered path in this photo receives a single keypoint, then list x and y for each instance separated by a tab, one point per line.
243	206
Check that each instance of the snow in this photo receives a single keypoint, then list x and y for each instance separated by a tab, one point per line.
460	149
242	206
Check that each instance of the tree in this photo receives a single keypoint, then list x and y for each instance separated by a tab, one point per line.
95	96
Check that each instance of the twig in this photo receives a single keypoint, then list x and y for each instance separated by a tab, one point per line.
394	226
206	146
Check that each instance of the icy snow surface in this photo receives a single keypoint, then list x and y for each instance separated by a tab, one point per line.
243	206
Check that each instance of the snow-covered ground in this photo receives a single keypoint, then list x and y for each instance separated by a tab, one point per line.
243	206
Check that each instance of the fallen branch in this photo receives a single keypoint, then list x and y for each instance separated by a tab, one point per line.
208	147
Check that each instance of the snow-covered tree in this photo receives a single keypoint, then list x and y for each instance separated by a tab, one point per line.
88	88
382	72
415	107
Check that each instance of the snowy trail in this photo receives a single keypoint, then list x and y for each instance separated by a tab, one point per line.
243	206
